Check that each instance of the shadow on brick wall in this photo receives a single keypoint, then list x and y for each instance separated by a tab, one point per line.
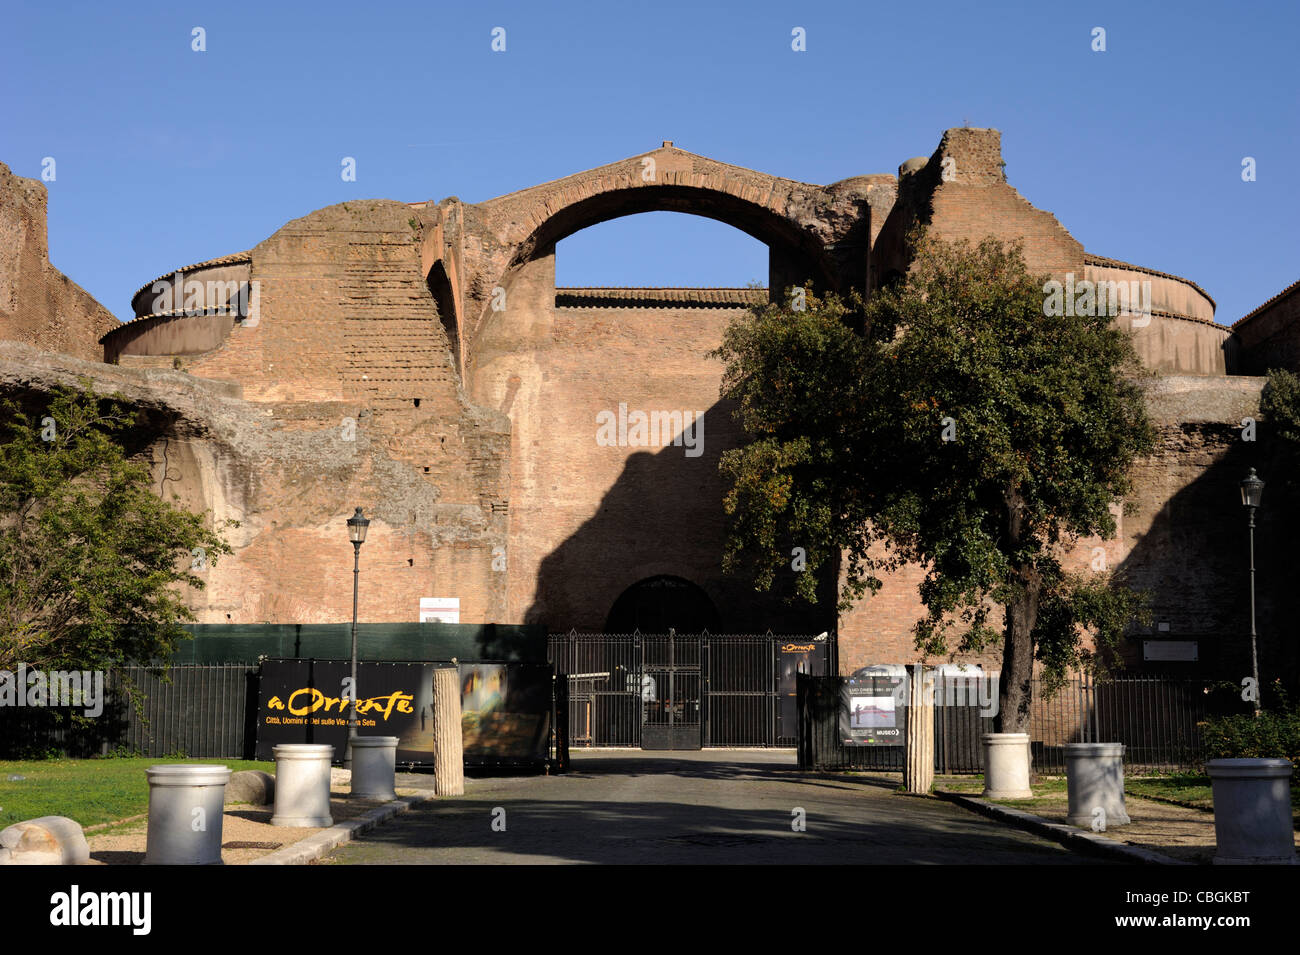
663	517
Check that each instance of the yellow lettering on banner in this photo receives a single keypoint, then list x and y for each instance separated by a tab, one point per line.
386	703
316	700
275	704
314	695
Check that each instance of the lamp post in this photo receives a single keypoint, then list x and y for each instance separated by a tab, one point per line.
357	525
1252	490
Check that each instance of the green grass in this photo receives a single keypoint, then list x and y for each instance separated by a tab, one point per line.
1048	791
1187	789
91	791
1184	789
1191	789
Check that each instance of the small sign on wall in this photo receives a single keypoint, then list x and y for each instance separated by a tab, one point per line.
1178	650
439	610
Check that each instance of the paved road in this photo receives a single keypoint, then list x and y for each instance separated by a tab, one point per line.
717	806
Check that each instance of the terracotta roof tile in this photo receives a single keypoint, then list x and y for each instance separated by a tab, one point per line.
234	257
1289	290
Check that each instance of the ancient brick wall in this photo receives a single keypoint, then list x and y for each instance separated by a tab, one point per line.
40	305
1183	542
343	355
590	520
414	360
1269	336
961	192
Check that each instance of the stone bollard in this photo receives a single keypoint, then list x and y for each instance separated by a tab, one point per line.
374	764
1094	774
1252	811
49	840
251	786
302	785
1006	766
186	802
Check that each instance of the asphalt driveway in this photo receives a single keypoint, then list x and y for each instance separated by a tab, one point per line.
715	806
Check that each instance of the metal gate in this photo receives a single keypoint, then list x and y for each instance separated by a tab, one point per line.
684	691
671	694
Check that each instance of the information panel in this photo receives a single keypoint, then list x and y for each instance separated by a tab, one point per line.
872	711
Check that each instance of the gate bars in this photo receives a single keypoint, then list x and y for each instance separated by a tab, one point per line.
638	689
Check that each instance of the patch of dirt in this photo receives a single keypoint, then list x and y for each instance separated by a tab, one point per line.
1175	831
246	831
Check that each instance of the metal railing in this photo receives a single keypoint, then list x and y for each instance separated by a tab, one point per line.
1155	717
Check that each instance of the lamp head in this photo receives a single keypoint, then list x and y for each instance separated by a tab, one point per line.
357	525
1252	490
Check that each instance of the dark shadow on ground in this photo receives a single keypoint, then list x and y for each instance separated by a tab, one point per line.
669	809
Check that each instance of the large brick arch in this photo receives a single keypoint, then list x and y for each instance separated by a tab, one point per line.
772	229
767	207
807	227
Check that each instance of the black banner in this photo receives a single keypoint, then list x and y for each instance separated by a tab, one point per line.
795	657
505	708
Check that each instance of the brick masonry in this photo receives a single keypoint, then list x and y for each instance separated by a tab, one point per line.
418	360
40	305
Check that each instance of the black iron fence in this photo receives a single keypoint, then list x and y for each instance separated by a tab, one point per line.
204	711
1155	718
690	690
683	691
200	711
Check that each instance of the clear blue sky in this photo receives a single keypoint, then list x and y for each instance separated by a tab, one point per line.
166	156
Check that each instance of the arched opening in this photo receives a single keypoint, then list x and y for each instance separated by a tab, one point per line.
795	255
657	604
440	288
661	250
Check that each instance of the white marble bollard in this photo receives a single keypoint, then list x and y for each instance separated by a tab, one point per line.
302	785
1252	811
1006	766
374	766
1094	776
186	801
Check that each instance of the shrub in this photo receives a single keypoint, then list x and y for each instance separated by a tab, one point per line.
1271	734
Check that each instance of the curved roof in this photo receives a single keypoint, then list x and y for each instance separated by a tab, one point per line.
232	259
1090	259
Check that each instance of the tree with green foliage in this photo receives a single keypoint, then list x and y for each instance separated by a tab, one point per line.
94	565
965	427
1279	406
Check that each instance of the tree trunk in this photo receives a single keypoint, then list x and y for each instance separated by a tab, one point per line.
448	755
918	772
1014	687
1015	691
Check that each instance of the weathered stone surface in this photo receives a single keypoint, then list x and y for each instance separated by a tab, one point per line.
251	786
38	303
49	840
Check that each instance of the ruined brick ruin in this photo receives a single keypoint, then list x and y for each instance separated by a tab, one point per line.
417	359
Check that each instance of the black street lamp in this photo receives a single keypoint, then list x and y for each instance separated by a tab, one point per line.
357	525
1252	491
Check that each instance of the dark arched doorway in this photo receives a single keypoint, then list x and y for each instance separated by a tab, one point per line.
658	604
